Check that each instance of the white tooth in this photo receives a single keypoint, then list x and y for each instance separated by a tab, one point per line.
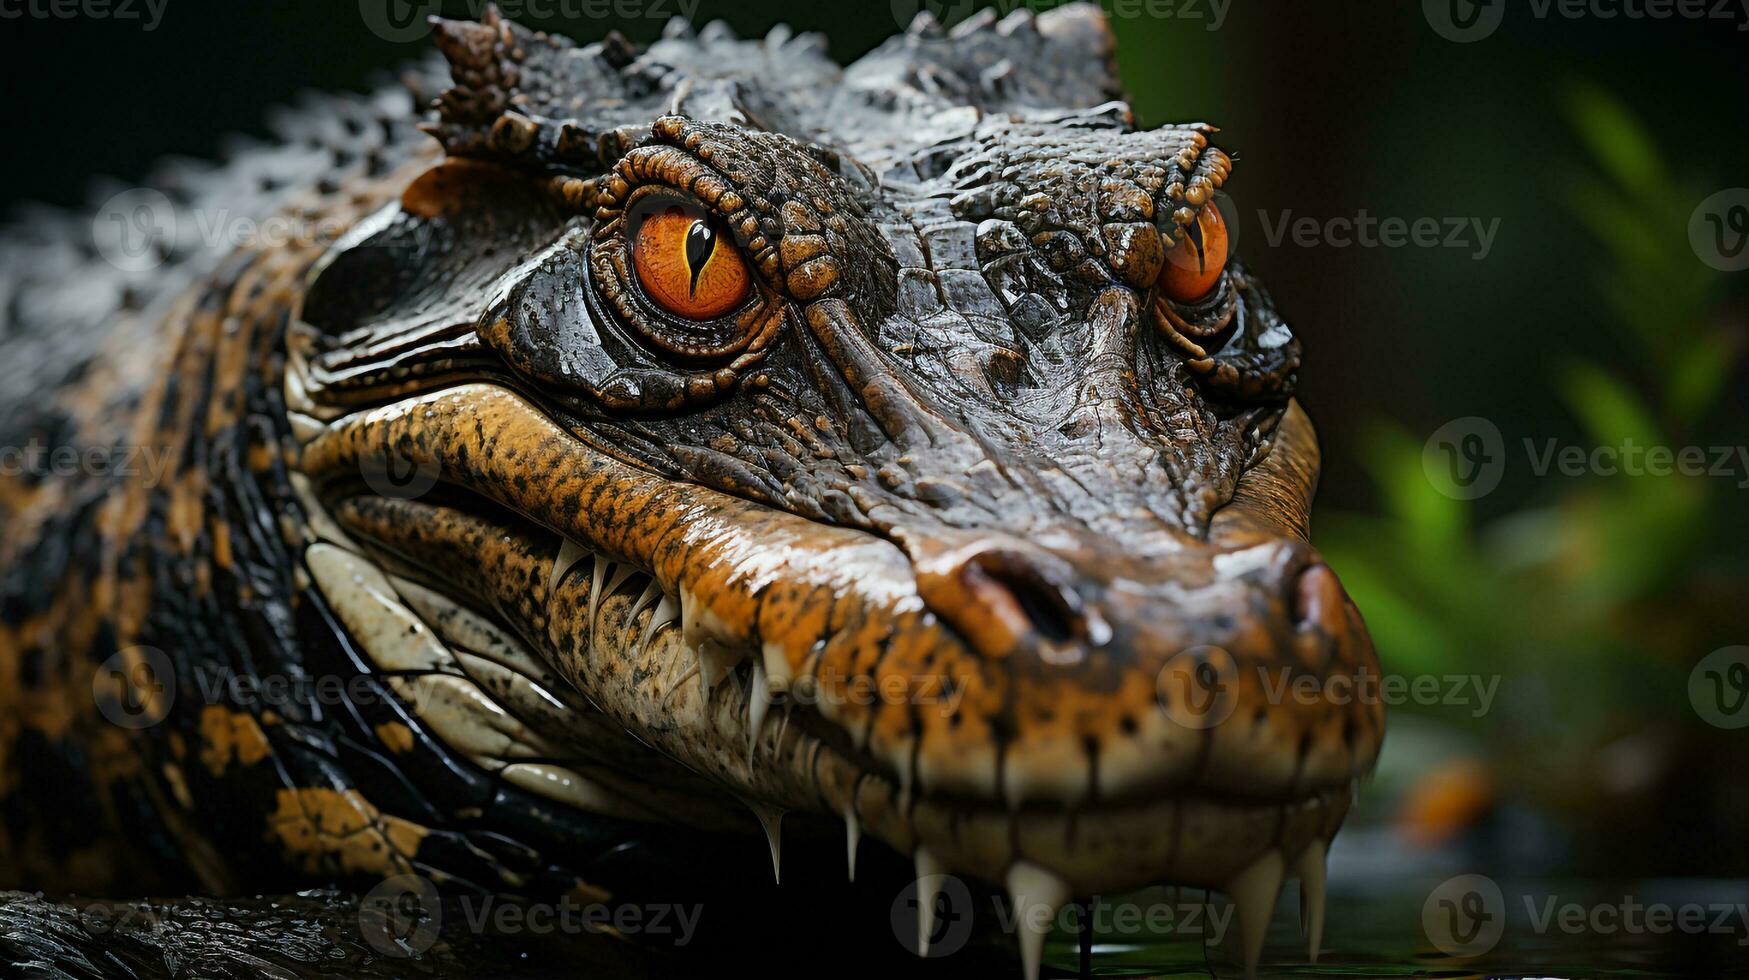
929	872
689	675
620	574
1030	886
664	614
1254	891
304	428
1310	869
595	578
777	667
758	704
715	662
771	818
782	726
651	591
570	553
852	835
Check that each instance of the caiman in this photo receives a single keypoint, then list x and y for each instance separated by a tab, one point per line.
628	447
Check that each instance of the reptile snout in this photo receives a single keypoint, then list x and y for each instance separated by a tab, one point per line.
1120	675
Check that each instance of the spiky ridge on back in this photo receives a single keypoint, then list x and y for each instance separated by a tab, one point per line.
533	99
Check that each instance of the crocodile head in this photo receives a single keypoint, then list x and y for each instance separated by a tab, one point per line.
897	443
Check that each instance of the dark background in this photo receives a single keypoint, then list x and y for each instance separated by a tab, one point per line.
1591	141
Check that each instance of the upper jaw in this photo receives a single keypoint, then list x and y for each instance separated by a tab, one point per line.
966	771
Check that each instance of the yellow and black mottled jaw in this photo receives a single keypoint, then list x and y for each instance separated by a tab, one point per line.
797	666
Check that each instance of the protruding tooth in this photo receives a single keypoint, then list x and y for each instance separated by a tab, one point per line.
715	662
1030	886
852	835
618	578
689	675
929	872
1254	891
782	726
1310	869
665	612
595	580
651	591
758	704
570	553
771	818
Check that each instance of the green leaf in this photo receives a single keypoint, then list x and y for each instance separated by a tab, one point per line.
1616	138
1697	376
1609	409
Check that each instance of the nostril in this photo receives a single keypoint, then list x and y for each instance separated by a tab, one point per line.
1318	597
1053	610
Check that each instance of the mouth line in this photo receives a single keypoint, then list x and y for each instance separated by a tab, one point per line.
688	665
862	787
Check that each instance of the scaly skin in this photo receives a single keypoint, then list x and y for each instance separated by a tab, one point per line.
958	449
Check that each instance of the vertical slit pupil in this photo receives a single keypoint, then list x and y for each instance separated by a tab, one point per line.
1194	231
700	243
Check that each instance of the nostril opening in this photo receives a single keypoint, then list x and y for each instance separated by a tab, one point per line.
1054	611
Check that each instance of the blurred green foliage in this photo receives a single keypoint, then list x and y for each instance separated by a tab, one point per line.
1593	598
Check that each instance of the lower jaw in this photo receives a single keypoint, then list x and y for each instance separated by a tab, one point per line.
623	649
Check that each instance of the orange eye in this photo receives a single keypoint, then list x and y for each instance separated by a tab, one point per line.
686	266
1194	267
